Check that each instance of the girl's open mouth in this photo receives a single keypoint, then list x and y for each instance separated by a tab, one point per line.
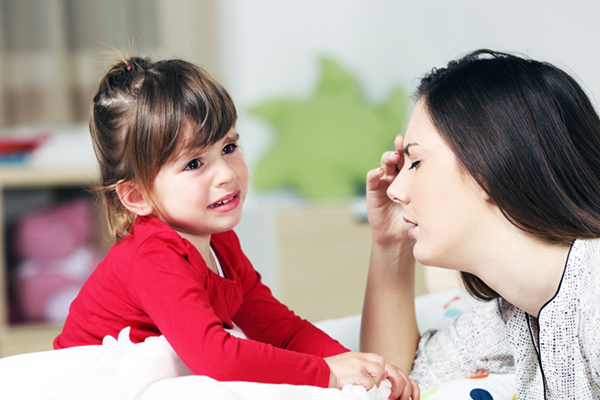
227	203
220	203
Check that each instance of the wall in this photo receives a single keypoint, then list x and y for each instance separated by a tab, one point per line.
269	48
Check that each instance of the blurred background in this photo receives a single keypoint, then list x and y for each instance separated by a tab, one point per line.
321	86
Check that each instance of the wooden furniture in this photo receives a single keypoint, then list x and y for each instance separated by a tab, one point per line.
19	187
323	259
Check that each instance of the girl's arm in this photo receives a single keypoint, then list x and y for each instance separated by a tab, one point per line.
191	312
389	325
264	318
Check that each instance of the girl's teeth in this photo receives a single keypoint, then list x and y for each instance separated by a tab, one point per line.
222	202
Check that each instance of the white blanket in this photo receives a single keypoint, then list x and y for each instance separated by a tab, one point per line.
122	370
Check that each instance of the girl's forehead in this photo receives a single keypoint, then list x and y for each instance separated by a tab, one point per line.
194	143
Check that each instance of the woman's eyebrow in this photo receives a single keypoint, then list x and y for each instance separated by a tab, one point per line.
406	151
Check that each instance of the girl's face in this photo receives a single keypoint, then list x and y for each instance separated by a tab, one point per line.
441	201
201	192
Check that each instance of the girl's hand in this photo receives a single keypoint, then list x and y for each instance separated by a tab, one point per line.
368	370
385	216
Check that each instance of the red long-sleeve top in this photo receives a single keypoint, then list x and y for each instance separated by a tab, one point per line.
157	283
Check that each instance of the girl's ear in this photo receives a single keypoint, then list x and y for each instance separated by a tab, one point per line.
133	198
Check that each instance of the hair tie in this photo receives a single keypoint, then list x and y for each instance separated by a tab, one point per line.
129	68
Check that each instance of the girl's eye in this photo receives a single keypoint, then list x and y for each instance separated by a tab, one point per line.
194	164
230	148
413	165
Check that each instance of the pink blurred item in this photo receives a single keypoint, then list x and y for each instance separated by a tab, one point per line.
55	232
43	282
57	256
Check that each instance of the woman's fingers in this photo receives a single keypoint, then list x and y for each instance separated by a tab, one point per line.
399	143
403	387
397	380
392	161
391	164
374	178
416	391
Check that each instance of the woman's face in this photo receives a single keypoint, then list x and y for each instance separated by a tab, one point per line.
441	201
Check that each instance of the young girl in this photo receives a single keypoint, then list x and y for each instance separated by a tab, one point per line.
174	181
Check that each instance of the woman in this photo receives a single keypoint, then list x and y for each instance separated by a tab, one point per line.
498	176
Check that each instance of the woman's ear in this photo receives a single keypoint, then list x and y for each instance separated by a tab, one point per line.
486	197
133	198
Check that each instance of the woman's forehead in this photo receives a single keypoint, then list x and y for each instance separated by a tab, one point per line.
420	128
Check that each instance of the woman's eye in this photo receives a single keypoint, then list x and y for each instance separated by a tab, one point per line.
194	164
230	148
413	165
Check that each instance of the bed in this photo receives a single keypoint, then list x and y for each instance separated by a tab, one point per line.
121	370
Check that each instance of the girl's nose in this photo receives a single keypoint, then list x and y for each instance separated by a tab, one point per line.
224	173
399	191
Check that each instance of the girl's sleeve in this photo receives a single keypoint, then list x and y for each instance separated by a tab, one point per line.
264	318
173	294
472	344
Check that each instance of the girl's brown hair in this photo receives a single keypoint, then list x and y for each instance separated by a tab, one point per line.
136	121
530	137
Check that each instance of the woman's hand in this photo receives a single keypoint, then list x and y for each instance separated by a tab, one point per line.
386	216
389	323
368	370
403	387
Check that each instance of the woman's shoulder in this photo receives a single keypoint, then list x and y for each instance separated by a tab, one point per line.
578	288
582	271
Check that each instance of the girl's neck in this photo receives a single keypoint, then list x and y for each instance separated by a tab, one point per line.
202	244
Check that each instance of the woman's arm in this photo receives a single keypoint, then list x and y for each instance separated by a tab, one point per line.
389	325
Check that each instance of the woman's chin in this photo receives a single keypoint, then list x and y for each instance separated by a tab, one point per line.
422	256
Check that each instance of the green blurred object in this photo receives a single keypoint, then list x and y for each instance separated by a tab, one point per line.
326	143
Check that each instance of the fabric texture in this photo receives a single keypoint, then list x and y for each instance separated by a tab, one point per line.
497	337
121	370
157	283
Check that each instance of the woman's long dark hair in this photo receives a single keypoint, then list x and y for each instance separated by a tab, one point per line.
528	134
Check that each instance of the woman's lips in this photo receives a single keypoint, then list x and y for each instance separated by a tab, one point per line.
412	228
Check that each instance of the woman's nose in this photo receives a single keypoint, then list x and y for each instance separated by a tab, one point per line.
399	191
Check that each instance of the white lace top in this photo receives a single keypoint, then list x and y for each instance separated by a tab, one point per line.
498	337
